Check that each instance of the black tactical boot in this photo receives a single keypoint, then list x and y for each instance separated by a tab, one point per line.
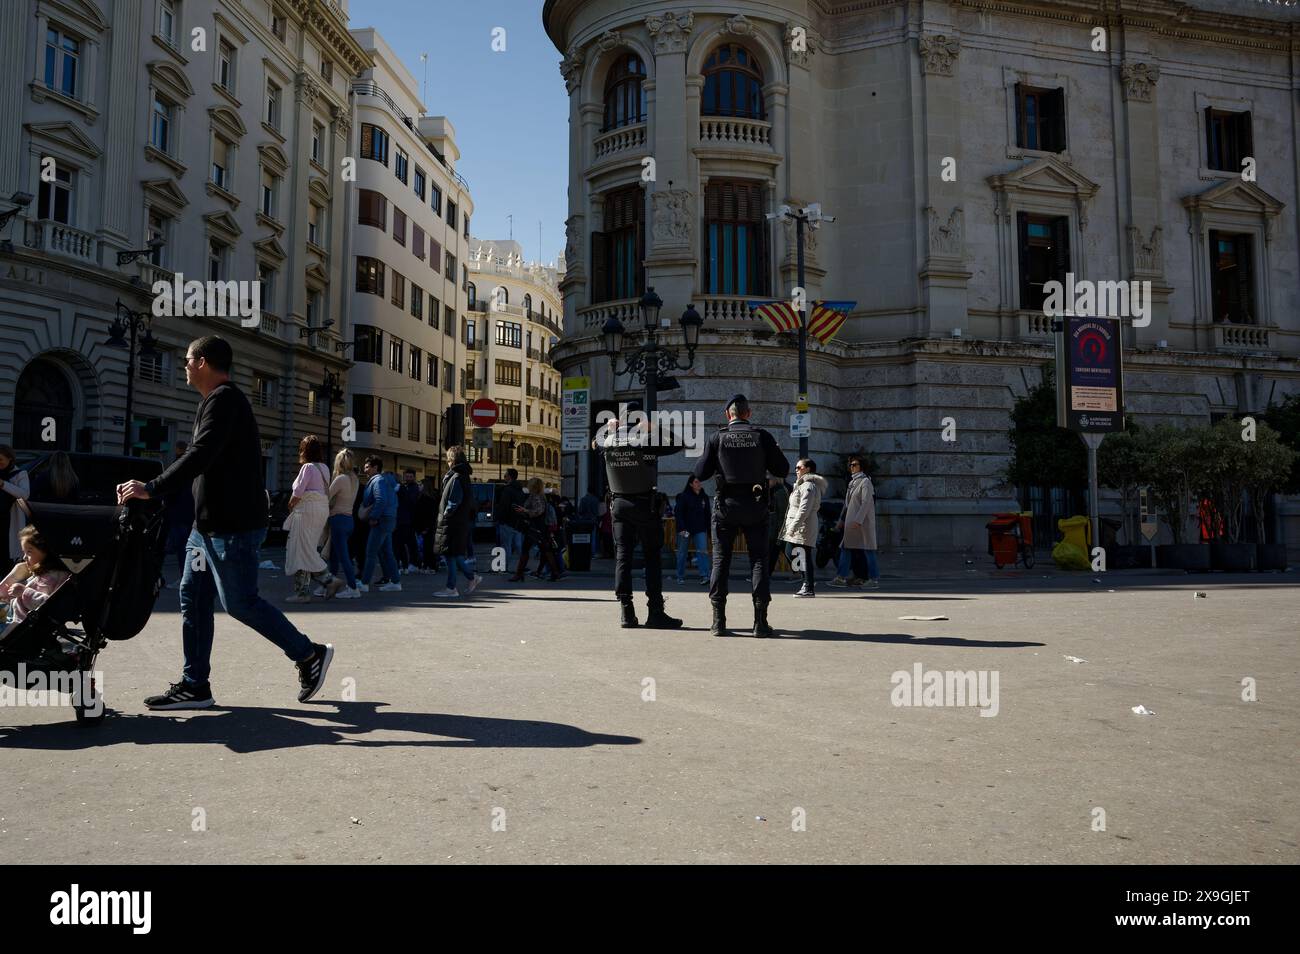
719	621
761	629
658	619
628	620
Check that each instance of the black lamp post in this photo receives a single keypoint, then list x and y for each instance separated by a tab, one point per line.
501	453
121	334
652	360
20	200
130	255
333	395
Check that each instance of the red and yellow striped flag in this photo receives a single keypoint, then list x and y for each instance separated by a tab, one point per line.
827	317
779	314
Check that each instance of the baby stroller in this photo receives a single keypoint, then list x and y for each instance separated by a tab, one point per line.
115	556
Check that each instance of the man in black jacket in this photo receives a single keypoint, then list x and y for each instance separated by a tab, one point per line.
224	463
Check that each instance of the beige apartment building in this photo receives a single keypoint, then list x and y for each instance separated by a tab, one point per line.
212	126
408	273
971	151
512	324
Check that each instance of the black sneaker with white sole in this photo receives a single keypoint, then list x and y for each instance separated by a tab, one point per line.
183	695
311	671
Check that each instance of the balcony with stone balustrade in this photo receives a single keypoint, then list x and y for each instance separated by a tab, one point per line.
626	141
56	238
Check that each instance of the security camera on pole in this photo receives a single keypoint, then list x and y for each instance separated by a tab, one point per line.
812	216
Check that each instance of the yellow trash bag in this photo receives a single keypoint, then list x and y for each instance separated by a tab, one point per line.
1070	557
1076	531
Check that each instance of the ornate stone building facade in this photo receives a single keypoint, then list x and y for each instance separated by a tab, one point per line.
515	312
213	125
971	151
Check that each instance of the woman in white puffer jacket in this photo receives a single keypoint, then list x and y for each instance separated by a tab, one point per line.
800	529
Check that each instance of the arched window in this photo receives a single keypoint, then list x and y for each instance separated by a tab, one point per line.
528	303
733	84
472	291
624	92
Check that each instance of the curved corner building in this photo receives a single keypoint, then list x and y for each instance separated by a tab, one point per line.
970	151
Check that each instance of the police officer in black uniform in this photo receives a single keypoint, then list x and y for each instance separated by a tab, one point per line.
741	456
636	509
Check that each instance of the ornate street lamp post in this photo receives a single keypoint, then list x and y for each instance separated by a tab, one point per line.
121	334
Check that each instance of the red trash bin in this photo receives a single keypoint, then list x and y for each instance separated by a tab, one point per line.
1011	539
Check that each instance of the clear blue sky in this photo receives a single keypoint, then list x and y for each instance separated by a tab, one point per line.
510	109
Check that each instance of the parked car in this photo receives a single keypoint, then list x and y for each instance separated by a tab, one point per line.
97	474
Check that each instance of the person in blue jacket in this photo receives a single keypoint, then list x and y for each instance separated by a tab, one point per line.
692	512
379	510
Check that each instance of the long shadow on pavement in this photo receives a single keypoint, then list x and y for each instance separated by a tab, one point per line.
819	634
247	729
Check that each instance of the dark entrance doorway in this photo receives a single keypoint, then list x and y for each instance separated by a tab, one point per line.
44	391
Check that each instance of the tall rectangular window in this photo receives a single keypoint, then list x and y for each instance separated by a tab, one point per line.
433	371
448	321
413	423
399	290
399	226
160	130
401	164
226	66
450	266
417	241
62	61
217	252
1040	118
451	214
417	301
55	199
374	143
279	25
419	183
167	21
314	214
431	421
267	289
435	254
1232	283
510	334
365	412
272	105
327	69
159	228
317	140
735	239
221	158
394	419
448	377
396	353
269	194
1227	139
435	200
1044	244
415	364
435	312
508	412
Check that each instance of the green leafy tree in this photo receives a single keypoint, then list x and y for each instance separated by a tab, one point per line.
1043	454
1171	464
1119	467
1268	466
1284	418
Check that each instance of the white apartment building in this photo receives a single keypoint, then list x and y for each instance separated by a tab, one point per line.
513	321
408	272
214	126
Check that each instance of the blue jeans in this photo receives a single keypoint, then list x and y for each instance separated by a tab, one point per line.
466	565
701	541
340	536
379	545
230	572
512	541
850	559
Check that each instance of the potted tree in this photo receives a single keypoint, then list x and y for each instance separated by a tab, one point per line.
1171	466
1119	467
1268	466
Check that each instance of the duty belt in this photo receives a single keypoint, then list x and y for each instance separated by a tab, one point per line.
742	490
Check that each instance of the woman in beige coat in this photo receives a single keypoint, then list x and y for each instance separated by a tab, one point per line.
859	524
800	528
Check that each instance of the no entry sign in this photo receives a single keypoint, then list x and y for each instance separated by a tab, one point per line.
483	412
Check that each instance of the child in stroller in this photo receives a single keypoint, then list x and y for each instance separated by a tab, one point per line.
96	565
34	580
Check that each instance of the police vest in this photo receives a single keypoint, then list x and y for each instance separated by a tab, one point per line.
627	470
741	457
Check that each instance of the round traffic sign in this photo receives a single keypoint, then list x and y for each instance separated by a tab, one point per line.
483	412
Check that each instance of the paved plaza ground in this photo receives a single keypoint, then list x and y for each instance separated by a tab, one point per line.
525	708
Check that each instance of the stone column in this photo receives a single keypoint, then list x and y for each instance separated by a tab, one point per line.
1143	255
14	42
120	206
670	262
942	225
573	286
294	199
